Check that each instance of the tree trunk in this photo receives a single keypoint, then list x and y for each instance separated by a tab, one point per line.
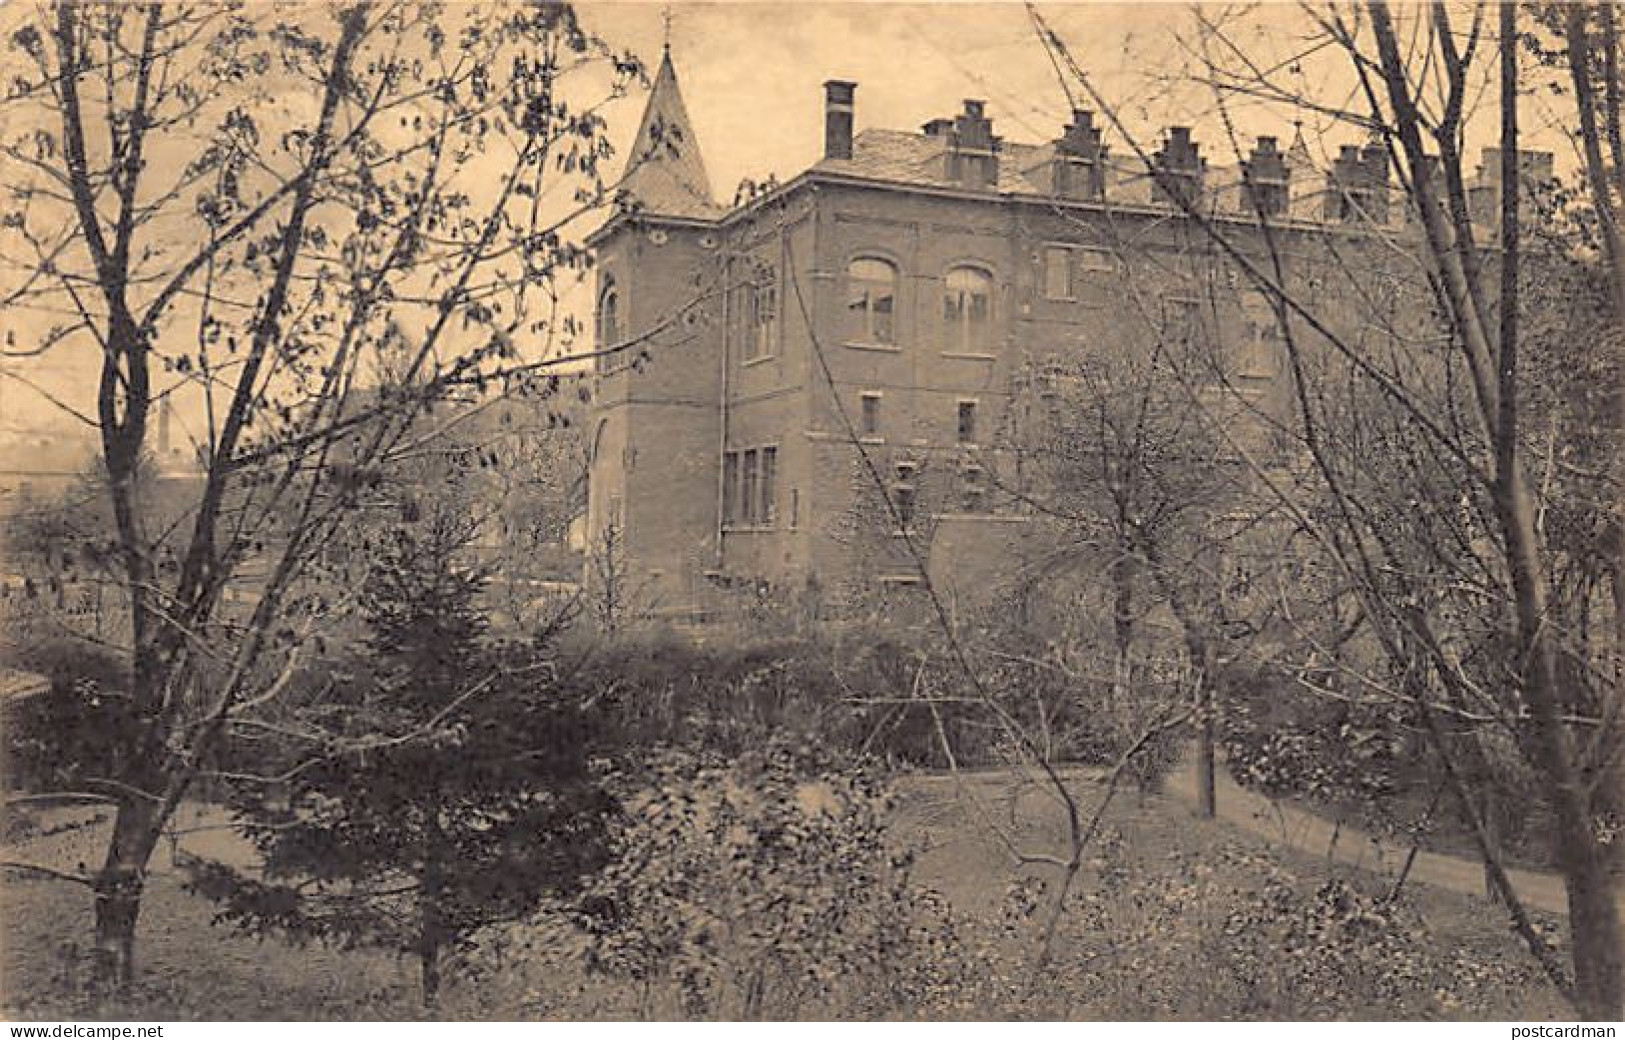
118	894
1206	789
429	963
1594	924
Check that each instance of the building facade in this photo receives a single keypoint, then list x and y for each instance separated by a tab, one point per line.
822	389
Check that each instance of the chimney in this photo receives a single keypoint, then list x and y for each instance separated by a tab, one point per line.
1178	167
1357	186
1078	172
1081	139
975	129
838	107
1267	179
972	157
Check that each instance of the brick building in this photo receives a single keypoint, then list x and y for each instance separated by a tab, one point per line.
884	319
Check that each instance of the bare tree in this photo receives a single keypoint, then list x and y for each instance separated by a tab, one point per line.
306	225
1463	590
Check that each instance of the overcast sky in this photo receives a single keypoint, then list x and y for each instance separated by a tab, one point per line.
752	72
752	76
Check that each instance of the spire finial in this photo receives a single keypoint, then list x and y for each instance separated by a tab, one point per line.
665	18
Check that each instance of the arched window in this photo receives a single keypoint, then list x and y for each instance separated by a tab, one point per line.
609	319
967	310
871	300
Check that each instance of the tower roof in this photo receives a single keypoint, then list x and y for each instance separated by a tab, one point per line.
665	175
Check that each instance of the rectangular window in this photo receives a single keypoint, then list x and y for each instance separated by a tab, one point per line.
1091	259
749	344
975	488
1260	339
903	500
1057	273
747	487
761	312
869	424
730	487
967	422
1182	319
795	508
767	512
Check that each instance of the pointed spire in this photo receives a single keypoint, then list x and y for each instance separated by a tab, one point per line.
1297	154
665	174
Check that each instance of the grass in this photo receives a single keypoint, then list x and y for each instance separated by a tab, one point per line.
193	969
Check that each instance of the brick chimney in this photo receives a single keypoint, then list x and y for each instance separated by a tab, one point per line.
838	109
1357	187
972	158
1178	166
1079	172
1268	179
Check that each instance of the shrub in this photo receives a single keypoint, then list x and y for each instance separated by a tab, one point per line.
75	730
761	886
1233	934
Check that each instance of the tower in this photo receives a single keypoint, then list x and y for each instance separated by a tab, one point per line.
653	431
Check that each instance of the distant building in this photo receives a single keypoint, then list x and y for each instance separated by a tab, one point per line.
763	368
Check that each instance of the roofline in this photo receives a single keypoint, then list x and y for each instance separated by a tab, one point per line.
816	176
649	217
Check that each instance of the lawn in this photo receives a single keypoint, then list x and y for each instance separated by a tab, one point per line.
193	969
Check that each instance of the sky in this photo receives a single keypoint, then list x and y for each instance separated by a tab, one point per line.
752	77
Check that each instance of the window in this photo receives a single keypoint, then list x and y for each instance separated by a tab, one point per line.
904	499
762	311
967	307
1182	318
869	420
1261	335
967	422
905	494
1065	266
748	486
609	319
795	507
1057	273
730	487
871	301
1092	259
975	488
767	511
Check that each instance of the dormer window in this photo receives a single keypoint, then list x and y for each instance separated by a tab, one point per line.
871	301
967	310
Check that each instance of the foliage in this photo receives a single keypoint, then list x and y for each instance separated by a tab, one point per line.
1325	751
1237	934
453	788
749	886
301	227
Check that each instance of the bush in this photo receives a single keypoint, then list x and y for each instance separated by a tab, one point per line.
74	730
758	887
1233	934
